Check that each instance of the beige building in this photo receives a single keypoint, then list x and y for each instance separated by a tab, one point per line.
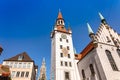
22	67
100	59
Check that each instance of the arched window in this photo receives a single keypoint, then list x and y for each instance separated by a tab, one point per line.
83	74
111	60
92	69
118	51
58	22
61	22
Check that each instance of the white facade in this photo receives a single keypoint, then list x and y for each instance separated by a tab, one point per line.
104	58
63	63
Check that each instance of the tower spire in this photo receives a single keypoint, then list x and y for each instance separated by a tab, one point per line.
42	75
60	24
90	29
102	18
59	15
43	61
91	34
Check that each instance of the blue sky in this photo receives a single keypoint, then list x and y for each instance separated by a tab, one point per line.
25	25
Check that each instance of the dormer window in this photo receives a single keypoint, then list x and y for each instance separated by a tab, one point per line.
20	57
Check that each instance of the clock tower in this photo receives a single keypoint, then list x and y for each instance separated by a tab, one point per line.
63	63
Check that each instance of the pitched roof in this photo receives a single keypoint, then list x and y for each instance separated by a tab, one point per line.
85	51
25	58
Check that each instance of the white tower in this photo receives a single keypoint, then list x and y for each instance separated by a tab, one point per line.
63	63
42	71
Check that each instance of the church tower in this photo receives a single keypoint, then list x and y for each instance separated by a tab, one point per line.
63	63
43	71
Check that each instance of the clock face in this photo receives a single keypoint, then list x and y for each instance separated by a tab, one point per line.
63	36
65	51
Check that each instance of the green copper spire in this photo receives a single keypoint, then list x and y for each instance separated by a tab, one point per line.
101	16
89	29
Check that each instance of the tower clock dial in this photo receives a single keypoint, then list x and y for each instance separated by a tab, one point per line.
63	36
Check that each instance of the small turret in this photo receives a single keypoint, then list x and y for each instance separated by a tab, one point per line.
69	28
102	18
90	29
60	23
75	51
60	20
91	34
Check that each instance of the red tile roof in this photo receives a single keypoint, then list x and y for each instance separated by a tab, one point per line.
61	28
85	51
